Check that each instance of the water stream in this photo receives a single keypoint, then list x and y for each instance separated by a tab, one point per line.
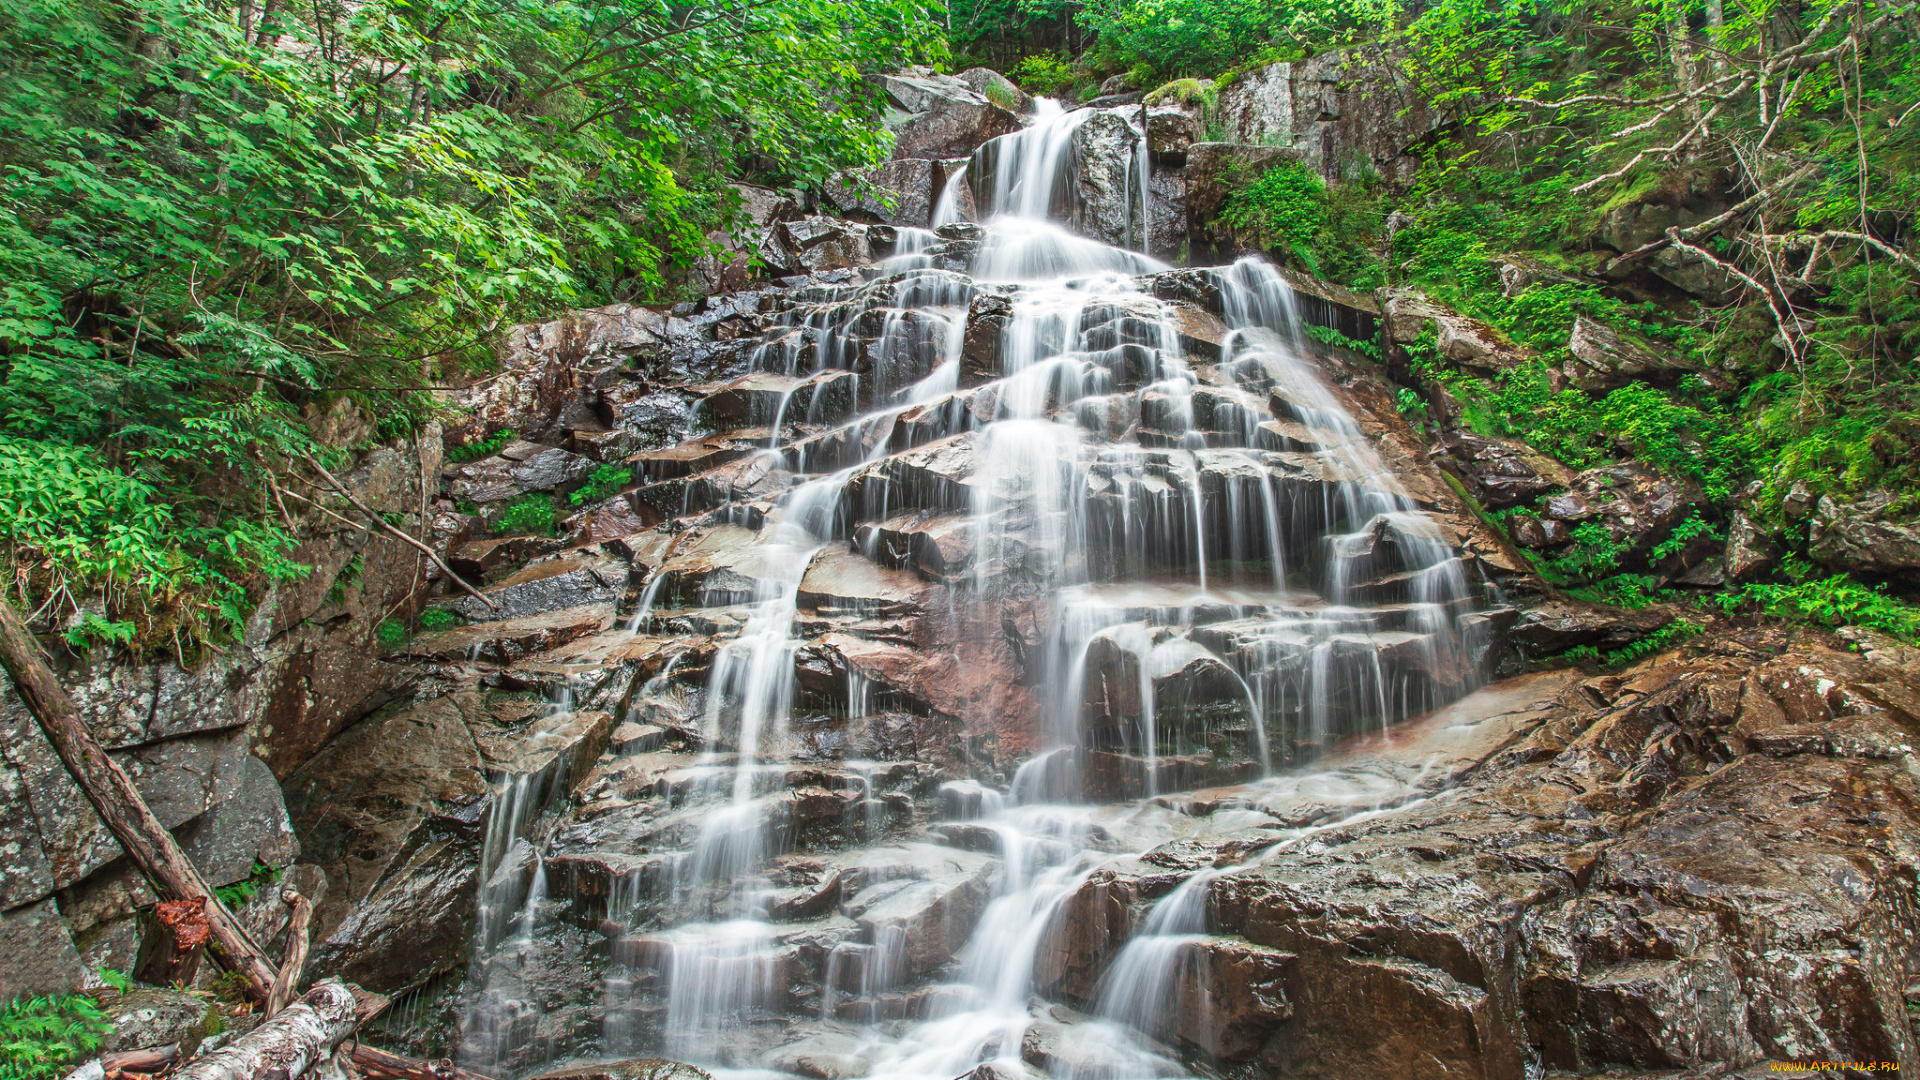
1232	581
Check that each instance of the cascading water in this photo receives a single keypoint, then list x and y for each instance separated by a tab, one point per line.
1227	578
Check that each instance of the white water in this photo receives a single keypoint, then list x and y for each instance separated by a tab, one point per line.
1129	482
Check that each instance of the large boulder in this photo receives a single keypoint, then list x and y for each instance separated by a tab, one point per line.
1605	359
1336	109
1863	536
1410	315
897	192
1499	473
940	116
1637	506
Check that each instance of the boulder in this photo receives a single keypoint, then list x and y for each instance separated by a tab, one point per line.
570	581
1636	504
147	1017
897	192
1466	341
1105	203
548	370
1215	170
626	1069
1863	536
1605	359
250	826
940	116
825	243
998	89
1750	550
36	955
1499	473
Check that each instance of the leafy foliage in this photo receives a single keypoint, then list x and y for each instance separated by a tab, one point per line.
41	1037
221	217
241	891
604	482
435	618
1832	601
486	447
531	514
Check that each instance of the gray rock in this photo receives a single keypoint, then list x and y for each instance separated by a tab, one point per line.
36	956
1500	472
1604	359
250	826
149	1016
824	243
582	578
626	1069
998	89
1106	203
940	116
1862	537
1215	170
897	192
1750	551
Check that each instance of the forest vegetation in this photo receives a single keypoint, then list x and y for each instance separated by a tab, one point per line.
222	218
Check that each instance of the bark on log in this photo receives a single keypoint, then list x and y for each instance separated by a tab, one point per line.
295	959
107	786
301	1036
384	1066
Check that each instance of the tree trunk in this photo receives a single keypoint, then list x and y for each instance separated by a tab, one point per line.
301	1036
119	804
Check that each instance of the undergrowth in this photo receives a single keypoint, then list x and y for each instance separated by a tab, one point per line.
42	1037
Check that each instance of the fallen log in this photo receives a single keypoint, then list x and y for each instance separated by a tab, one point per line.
108	787
381	1065
297	1038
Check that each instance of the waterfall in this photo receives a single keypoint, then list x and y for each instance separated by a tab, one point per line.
1227	581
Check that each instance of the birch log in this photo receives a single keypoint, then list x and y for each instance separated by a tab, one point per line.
299	1037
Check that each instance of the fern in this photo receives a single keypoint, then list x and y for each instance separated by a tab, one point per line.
41	1037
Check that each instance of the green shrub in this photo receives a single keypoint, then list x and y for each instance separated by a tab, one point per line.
1044	75
392	633
41	1037
1833	601
1285	209
492	444
238	893
532	514
603	483
437	618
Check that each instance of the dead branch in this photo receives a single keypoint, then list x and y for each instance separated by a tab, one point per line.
380	1065
398	533
297	1038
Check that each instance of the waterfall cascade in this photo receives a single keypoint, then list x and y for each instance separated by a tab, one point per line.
1005	438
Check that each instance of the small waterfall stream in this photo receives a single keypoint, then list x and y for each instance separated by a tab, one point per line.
1231	578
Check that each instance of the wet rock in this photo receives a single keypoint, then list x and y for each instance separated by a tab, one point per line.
845	581
1230	996
940	116
918	902
824	243
508	640
1604	359
1067	1043
478	559
571	581
639	416
1863	536
897	192
1105	203
1500	473
1554	626
612	520
828	1055
1086	933
391	791
940	546
561	748
626	1069
1172	128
